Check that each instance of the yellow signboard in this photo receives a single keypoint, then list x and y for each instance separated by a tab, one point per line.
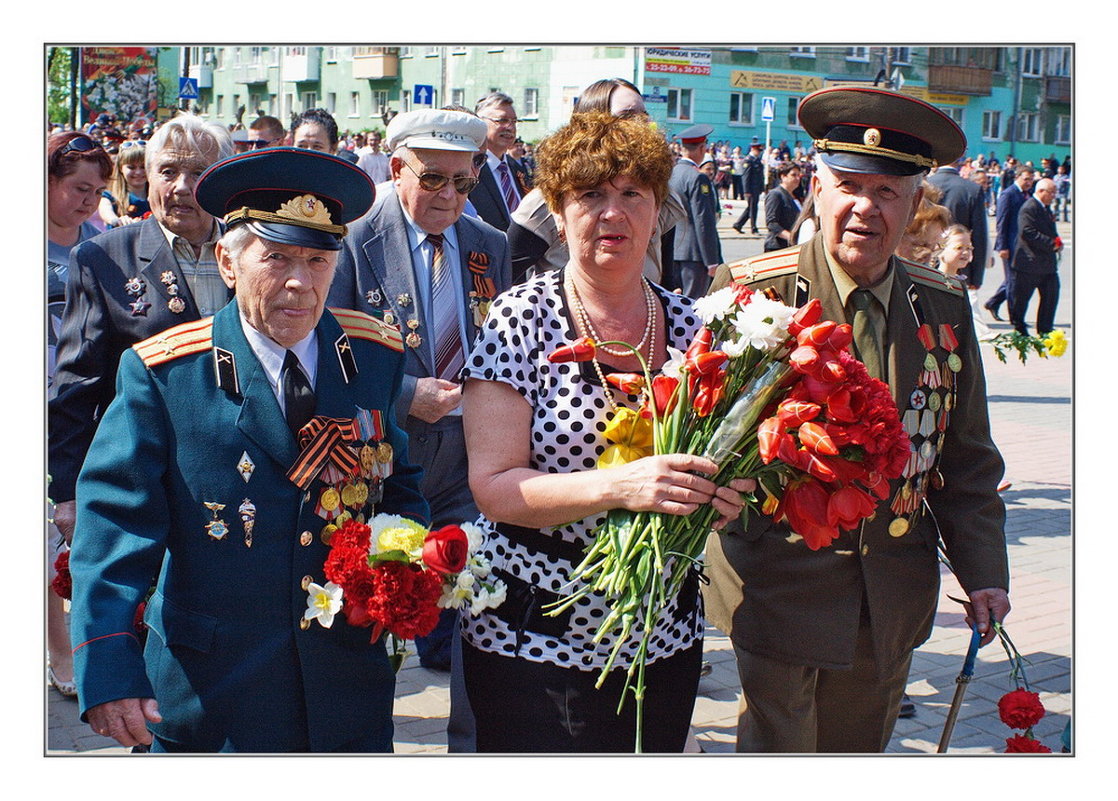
775	81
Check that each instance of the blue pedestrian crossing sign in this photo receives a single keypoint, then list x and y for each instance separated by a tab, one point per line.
188	88
768	109
423	95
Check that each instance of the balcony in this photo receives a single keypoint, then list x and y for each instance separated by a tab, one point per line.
375	66
204	74
302	65
959	80
250	73
1057	89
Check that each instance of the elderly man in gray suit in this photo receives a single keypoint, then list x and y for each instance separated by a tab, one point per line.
416	261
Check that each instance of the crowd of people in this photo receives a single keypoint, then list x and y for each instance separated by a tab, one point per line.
253	284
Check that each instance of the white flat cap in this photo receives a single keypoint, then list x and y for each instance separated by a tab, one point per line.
436	129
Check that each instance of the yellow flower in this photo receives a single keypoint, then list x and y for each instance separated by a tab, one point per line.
631	436
1056	343
396	533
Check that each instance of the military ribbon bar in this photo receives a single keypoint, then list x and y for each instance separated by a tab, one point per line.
323	441
370	427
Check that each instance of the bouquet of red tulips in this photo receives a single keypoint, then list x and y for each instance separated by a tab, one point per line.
765	391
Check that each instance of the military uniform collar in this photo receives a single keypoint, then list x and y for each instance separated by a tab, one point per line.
271	354
844	284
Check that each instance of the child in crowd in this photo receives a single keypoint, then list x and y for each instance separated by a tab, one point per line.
126	198
957	252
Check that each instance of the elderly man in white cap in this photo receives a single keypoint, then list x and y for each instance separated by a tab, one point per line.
416	261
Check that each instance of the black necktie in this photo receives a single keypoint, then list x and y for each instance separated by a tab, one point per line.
298	397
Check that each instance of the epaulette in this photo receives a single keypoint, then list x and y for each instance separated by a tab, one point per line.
774	264
926	276
181	340
366	326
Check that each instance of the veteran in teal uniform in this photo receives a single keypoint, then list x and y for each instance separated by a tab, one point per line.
824	639
234	446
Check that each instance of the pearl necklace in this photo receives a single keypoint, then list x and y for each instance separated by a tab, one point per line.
583	320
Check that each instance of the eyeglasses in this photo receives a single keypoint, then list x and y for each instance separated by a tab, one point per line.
79	144
434	182
132	143
501	120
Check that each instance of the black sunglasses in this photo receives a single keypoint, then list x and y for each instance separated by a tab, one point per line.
433	181
79	144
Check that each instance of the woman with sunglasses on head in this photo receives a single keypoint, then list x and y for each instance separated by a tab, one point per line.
77	169
533	236
534	434
126	199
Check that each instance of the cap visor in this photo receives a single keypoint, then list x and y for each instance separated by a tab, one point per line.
869	165
295	235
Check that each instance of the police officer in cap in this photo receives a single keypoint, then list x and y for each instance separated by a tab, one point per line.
698	251
824	637
206	479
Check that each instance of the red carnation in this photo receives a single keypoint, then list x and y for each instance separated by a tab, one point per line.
62	584
406	599
1020	744
1020	709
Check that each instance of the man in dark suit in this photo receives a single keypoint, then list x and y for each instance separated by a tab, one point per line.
754	180
824	638
218	468
782	209
697	248
1010	201
387	269
502	181
964	199
1034	260
127	284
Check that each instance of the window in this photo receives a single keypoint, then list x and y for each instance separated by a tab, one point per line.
857	54
741	108
1063	129
271	105
255	55
902	55
1059	61
679	104
992	125
380	102
793	112
458	50
1028	126
802	52
236	104
954	112
330	53
219	106
405	100
406	52
531	103
432	50
1032	61
354	104
296	51
310	100
458	97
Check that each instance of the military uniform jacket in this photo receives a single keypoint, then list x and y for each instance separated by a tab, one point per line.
696	236
777	598
121	288
193	439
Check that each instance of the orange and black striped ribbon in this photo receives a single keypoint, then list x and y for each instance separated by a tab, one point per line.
323	440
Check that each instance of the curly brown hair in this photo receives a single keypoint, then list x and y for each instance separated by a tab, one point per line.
596	147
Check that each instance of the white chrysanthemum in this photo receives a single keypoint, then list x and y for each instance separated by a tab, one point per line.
763	323
715	306
475	535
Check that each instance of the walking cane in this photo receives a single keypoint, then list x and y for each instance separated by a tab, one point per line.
961	682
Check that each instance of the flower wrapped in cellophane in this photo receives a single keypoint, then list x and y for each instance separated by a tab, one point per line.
395	576
765	391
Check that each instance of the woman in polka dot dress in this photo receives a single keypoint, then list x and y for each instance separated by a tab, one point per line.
534	432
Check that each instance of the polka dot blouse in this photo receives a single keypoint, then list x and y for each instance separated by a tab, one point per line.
569	414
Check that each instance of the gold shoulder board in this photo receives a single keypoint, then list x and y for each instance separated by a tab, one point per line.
366	326
180	340
926	276
770	265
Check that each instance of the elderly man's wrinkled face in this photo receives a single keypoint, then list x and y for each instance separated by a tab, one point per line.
863	217
434	211
281	289
172	176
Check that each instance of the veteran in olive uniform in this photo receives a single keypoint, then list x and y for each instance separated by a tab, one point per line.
824	639
233	448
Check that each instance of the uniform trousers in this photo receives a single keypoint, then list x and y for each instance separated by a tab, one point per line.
798	709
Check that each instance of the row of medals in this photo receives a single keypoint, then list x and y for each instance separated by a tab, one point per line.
925	421
342	499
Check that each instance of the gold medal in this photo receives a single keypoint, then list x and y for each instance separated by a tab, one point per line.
343	518
368	459
954	362
362	490
934	401
898	528
384	453
329	500
389	318
349	495
930	362
327	533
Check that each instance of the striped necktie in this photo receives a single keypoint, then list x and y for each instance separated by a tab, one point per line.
449	356
511	199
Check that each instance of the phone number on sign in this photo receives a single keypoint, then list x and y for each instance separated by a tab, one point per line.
686	69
